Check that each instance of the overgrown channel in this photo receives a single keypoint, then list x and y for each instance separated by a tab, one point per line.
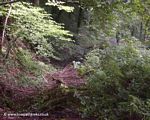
75	60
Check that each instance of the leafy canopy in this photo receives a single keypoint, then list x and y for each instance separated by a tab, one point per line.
36	26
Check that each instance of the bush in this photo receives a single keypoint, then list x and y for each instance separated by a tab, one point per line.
33	70
119	87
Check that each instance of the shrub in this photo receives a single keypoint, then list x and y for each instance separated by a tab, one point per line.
119	87
33	70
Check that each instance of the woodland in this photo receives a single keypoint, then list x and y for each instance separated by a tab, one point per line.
74	59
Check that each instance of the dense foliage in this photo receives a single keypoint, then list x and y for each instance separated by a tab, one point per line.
118	86
108	50
36	26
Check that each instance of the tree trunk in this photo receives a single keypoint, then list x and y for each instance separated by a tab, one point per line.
37	2
1	31
141	31
79	19
146	27
4	29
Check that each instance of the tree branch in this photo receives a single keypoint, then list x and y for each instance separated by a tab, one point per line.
9	2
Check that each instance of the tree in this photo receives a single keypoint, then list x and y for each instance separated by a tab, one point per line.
107	13
36	2
36	26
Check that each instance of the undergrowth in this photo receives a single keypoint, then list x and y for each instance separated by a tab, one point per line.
118	84
25	70
26	74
